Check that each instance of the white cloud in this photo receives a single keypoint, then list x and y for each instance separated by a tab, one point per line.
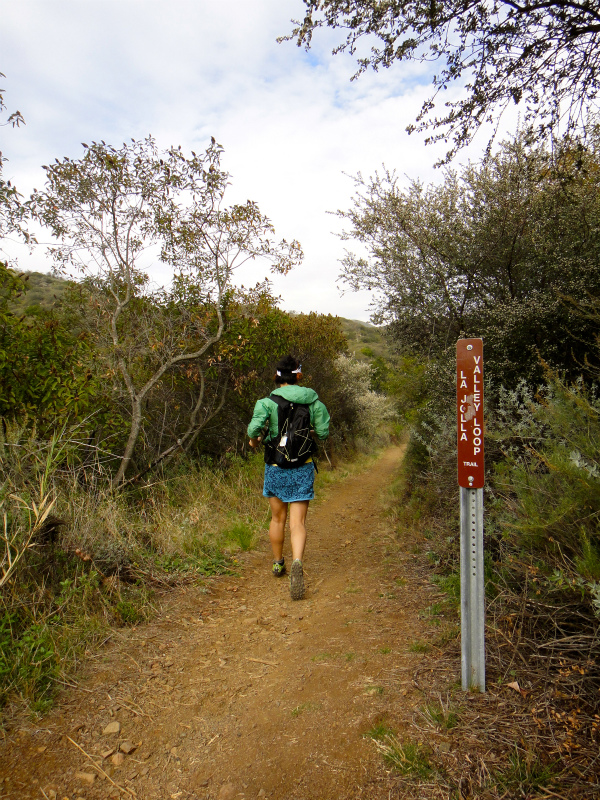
291	123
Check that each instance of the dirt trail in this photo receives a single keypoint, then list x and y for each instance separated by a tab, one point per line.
242	693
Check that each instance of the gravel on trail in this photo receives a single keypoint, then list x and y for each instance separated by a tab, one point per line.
236	691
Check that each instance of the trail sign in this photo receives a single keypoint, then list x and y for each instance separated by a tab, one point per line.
469	402
471	479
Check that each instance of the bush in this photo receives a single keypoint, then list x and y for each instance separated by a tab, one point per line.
542	545
358	411
549	482
64	579
29	662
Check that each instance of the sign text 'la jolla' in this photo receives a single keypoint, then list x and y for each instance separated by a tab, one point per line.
469	400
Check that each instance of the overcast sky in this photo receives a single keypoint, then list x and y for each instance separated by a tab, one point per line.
292	123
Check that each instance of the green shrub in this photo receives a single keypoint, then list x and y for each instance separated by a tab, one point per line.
128	612
242	535
549	485
29	662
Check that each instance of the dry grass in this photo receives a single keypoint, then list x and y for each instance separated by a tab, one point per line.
108	557
535	733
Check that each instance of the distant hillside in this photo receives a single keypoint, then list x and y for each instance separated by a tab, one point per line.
42	290
365	341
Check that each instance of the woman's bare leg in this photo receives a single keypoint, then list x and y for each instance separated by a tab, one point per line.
298	513
277	526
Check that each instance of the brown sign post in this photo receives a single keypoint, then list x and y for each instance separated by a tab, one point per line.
471	479
469	404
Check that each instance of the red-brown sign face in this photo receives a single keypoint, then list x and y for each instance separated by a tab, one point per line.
469	403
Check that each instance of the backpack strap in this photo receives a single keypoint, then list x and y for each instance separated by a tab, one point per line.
281	402
269	442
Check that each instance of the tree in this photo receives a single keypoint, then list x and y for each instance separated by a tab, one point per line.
259	335
542	56
112	209
12	211
29	384
493	251
15	118
13	214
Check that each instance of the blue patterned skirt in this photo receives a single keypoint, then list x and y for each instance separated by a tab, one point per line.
290	485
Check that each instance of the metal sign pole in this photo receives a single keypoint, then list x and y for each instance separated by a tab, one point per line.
471	477
472	619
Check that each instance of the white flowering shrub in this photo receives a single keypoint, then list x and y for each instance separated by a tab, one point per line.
360	410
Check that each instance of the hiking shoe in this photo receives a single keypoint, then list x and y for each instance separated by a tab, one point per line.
278	569
297	580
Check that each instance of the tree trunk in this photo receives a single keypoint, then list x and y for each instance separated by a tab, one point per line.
134	432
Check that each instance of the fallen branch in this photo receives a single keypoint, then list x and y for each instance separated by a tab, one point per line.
65	682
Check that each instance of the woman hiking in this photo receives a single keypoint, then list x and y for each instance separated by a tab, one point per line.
289	468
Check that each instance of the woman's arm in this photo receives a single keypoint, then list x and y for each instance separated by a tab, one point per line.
320	419
260	417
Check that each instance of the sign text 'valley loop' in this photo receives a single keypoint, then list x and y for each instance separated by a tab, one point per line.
469	406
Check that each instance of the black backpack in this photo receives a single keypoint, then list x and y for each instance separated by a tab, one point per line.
294	445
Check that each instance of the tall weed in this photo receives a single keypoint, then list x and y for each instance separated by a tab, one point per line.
80	557
66	576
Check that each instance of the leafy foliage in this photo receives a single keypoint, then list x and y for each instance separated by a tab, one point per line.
549	481
107	210
542	57
45	370
13	212
15	118
357	408
492	252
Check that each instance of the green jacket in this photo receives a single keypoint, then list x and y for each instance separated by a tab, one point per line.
266	409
